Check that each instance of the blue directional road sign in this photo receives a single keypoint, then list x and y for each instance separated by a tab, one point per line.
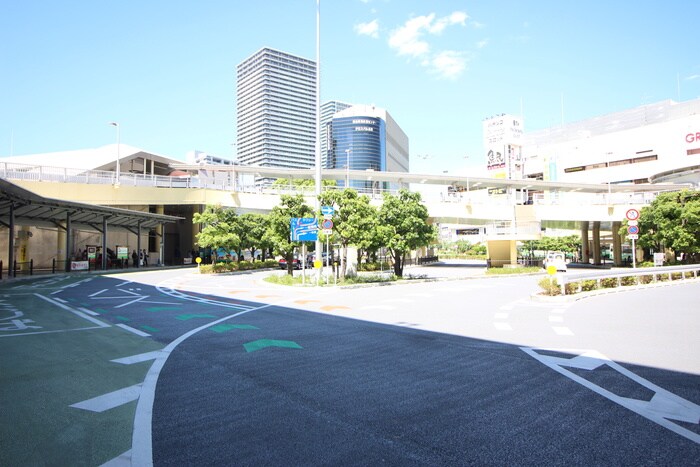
327	211
303	229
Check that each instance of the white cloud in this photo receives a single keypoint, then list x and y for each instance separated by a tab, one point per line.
411	40
406	39
691	77
449	64
370	29
482	43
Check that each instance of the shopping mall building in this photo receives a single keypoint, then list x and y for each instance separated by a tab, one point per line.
657	143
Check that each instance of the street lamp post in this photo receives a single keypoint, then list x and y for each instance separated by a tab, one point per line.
115	124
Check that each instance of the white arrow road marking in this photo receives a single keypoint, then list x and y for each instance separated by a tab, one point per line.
663	406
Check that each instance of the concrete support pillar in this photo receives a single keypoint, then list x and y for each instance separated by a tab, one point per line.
160	235
195	230
585	252
617	243
596	242
61	252
23	256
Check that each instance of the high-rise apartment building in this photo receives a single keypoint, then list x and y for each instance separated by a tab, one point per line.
276	110
328	110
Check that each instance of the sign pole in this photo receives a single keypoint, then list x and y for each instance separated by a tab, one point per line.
634	254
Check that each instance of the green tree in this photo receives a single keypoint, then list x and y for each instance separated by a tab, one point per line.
354	222
252	232
277	232
219	227
403	226
672	221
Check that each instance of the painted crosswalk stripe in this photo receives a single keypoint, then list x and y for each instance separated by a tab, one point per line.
110	400
503	326
556	319
562	330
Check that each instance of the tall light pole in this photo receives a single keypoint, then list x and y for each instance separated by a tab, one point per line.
115	124
317	146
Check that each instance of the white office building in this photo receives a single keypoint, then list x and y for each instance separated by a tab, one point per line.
657	142
276	110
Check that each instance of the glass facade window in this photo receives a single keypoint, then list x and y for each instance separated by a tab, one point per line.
358	143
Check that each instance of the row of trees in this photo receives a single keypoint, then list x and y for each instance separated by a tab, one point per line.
400	225
568	244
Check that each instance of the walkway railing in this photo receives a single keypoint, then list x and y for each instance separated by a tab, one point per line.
637	276
228	182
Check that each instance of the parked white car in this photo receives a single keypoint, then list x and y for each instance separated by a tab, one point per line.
556	259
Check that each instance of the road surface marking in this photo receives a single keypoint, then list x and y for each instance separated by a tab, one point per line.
110	400
134	330
562	330
503	326
75	312
142	357
663	407
500	316
556	319
378	307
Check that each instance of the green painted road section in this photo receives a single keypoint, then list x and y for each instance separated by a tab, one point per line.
162	308
264	343
193	316
63	360
229	327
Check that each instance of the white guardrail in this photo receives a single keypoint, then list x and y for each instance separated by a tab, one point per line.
636	276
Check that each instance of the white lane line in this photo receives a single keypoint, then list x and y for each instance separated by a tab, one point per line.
61	300
110	400
142	357
134	330
423	295
503	326
75	312
97	293
397	300
89	312
558	310
378	307
500	316
562	330
506	307
556	319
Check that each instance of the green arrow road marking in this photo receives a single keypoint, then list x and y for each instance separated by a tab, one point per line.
122	318
228	327
262	343
162	308
149	329
186	317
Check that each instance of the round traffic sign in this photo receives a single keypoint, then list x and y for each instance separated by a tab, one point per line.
198	260
551	269
632	214
633	229
326	224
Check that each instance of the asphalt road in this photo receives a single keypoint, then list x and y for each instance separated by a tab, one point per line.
234	371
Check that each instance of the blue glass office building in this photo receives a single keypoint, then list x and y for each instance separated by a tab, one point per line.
366	138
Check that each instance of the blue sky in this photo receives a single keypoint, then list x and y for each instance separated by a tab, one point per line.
165	70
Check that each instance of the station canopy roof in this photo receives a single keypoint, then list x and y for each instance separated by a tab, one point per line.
35	210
